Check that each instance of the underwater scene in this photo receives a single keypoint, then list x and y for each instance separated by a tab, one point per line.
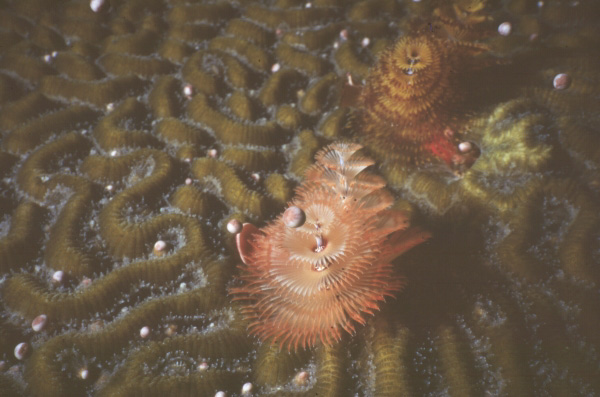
299	198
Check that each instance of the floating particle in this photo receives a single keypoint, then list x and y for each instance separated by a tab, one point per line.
83	373
21	350
465	146
294	217
561	81
58	276
505	28
203	366
160	247
234	226
188	91
301	378
145	332
247	388
99	5
39	323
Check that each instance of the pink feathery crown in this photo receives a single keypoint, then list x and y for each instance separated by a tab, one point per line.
325	263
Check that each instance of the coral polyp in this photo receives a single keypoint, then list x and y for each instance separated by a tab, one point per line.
307	283
414	98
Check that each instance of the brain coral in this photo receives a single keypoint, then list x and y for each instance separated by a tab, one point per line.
130	137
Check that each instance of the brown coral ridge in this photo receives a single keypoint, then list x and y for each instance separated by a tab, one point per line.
325	263
415	99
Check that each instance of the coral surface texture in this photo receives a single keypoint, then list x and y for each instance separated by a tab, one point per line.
138	136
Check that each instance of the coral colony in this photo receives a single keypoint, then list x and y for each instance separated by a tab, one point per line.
325	263
141	140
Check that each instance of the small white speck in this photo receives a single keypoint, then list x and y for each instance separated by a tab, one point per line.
275	67
39	323
234	226
505	28
561	81
203	366
465	146
58	276
160	246
144	332
83	373
21	350
247	388
365	42
349	78
96	5
188	91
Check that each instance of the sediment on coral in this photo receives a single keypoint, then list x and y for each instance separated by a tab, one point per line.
35	132
98	93
230	186
109	132
229	131
25	108
24	233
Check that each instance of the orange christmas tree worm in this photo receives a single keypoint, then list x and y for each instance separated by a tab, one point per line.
325	263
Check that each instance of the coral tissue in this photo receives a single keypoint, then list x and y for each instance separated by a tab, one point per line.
324	264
